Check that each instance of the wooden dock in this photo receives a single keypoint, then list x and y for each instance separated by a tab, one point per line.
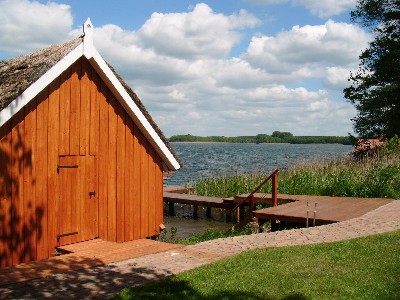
209	202
291	208
327	209
197	200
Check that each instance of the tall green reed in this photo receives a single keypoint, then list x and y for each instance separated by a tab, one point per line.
372	177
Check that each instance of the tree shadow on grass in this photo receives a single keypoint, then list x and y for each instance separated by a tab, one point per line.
116	280
171	288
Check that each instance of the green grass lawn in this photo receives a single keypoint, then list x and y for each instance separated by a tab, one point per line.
364	268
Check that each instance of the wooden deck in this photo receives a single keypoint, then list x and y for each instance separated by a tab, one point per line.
83	255
197	200
291	208
328	209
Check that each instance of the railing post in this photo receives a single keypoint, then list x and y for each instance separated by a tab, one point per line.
250	197
275	189
240	214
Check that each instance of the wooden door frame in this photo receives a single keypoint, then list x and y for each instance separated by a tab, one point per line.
86	206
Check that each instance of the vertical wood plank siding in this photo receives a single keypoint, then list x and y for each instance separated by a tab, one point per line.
120	208
128	177
41	174
17	169
6	184
53	133
103	162
76	115
29	186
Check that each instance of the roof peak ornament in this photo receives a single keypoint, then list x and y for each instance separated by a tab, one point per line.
88	29
87	35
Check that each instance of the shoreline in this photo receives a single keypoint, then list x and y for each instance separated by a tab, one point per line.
259	143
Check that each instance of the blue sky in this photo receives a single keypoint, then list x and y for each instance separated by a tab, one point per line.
213	67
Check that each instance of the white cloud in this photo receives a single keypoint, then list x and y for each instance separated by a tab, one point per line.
336	77
27	26
326	8
204	92
243	19
199	33
320	106
321	8
244	111
139	64
267	2
306	51
175	94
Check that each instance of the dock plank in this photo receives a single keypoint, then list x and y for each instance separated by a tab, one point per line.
197	200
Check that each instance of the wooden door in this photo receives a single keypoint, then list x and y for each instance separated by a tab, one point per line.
78	201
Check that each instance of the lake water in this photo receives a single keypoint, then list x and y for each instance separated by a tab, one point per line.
216	159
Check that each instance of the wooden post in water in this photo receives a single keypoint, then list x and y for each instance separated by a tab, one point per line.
275	189
171	208
240	213
228	216
274	225
195	212
208	212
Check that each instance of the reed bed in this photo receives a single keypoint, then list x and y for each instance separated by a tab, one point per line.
372	177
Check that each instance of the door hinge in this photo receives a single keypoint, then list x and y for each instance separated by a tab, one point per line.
66	167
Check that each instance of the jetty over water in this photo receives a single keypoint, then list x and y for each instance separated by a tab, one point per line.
179	195
301	209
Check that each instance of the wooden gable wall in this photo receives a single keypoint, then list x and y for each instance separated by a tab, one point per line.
76	115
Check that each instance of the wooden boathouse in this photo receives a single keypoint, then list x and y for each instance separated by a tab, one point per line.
80	157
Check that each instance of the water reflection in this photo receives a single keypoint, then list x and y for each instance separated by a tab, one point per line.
188	226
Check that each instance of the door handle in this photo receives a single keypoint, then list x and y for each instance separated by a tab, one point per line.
92	194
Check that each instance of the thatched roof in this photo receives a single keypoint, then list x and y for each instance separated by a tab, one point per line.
17	74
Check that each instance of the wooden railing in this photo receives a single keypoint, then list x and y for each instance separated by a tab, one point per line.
250	197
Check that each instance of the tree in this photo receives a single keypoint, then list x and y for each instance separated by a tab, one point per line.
282	135
265	138
375	89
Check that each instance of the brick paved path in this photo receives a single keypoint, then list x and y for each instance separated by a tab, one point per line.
106	281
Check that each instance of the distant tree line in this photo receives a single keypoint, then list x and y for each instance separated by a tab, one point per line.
275	137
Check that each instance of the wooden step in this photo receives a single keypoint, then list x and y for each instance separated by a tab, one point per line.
83	255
